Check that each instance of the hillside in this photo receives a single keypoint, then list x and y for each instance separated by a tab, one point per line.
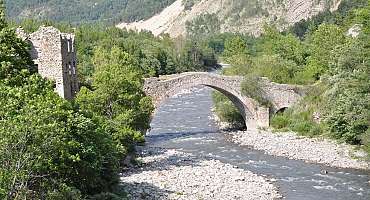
230	15
80	11
176	17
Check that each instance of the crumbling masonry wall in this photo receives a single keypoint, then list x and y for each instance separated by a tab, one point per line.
55	56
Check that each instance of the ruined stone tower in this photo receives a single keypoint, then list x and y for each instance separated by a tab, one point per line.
55	56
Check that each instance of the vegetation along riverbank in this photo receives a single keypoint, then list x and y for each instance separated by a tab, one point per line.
329	55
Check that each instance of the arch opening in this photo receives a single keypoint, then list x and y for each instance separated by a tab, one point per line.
281	110
244	112
233	96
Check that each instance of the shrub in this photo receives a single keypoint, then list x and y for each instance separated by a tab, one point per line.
280	121
347	101
49	149
305	127
252	87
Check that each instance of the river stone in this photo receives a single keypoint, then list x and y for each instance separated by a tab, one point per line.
165	175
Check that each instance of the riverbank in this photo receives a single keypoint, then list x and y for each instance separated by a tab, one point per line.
293	146
170	174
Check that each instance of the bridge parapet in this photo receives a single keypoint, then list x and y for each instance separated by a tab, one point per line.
282	95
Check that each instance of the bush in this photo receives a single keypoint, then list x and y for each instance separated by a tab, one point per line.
300	117
188	4
64	192
117	98
48	149
307	128
347	101
252	87
280	121
366	141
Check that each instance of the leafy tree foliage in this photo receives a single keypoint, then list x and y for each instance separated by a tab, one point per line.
155	56
15	62
117	97
323	41
235	47
348	99
226	111
49	148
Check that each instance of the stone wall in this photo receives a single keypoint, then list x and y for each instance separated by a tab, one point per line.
255	115
281	95
54	54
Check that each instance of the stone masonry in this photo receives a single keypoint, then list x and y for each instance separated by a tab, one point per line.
55	56
280	95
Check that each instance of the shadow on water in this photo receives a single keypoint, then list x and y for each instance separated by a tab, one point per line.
184	123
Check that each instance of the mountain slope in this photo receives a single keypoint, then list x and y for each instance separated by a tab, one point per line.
158	23
232	15
79	11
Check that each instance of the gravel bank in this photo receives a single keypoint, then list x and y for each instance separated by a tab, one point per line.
291	145
170	174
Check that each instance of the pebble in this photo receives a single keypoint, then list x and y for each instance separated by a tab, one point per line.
171	174
315	150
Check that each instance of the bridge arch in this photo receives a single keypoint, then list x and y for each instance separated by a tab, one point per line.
234	97
162	89
255	115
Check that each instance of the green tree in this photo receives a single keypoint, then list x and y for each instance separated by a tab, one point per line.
48	149
348	99
15	61
235	46
117	97
362	16
322	42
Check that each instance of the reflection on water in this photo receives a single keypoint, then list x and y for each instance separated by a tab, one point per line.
184	122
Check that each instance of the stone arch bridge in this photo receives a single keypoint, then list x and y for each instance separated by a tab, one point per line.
256	116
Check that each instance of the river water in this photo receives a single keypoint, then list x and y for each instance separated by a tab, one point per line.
184	123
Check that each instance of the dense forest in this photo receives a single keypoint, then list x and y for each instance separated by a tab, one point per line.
329	54
85	11
55	149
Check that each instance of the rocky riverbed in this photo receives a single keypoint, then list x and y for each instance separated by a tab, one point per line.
171	174
290	145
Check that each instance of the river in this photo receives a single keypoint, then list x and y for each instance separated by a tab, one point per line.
184	123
